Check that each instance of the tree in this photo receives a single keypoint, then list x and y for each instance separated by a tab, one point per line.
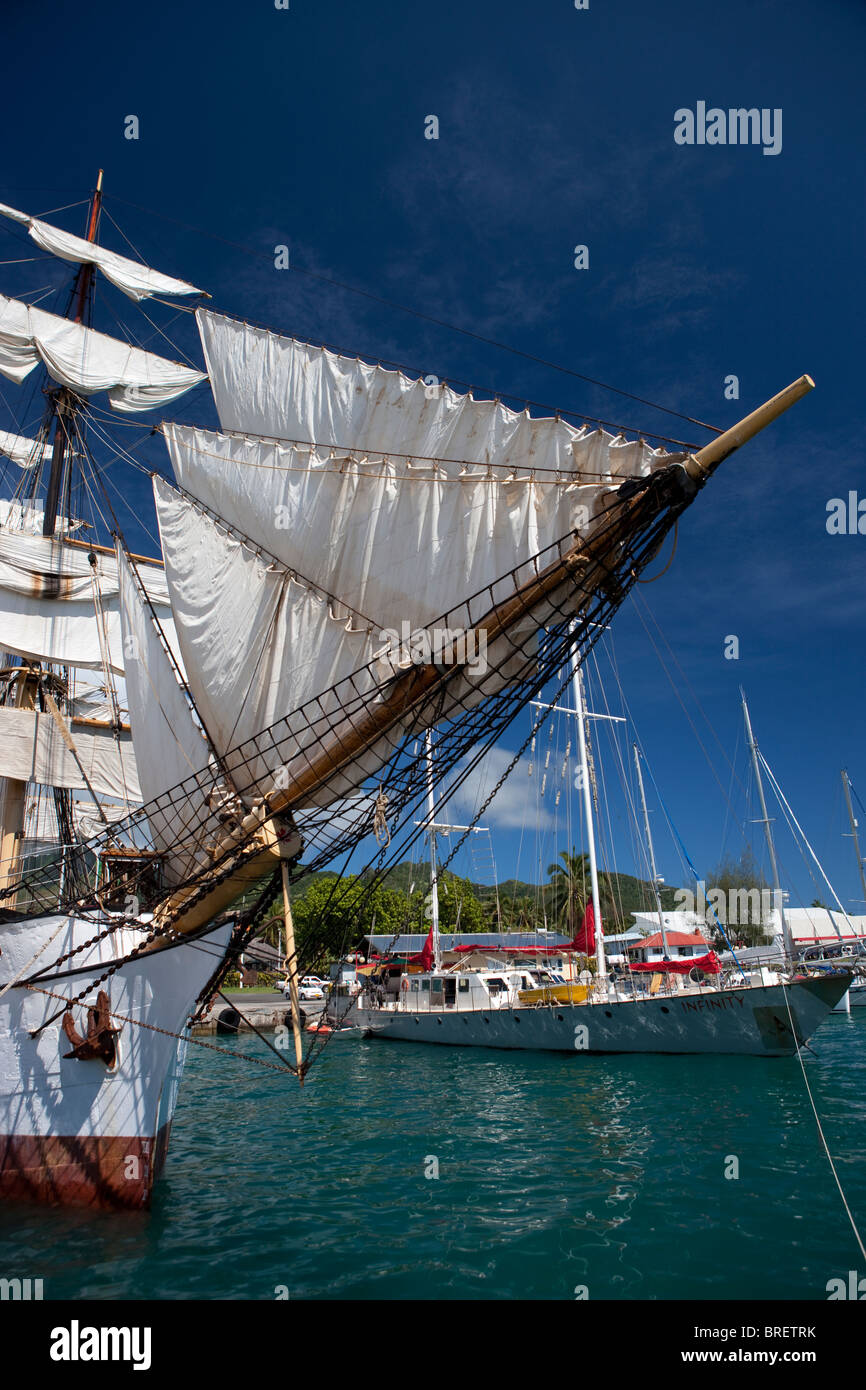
568	889
332	915
742	900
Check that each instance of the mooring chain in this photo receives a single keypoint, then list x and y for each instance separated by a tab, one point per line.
167	1032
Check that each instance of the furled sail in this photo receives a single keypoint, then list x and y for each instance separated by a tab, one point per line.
277	387
48	611
356	524
87	361
136	280
170	746
32	749
27	453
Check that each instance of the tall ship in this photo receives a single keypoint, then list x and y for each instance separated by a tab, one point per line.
355	557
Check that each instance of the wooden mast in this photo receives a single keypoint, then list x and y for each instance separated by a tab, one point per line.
13	794
292	966
65	401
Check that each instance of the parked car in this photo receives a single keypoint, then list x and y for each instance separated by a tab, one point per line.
308	988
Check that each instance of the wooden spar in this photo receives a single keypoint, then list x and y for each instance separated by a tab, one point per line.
86	275
292	963
588	558
700	465
64	401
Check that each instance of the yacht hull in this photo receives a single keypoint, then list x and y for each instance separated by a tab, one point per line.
80	1132
751	1021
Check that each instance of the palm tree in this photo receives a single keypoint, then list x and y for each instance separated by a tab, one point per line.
568	889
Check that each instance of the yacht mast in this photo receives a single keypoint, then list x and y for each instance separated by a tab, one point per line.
434	887
846	786
777	887
577	686
652	857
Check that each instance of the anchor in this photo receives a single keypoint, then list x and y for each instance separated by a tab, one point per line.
99	1041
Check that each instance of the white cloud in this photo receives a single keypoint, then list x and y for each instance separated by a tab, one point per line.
515	805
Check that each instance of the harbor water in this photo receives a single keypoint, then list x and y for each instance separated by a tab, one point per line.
403	1171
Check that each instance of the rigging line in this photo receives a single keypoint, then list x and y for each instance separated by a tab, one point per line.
784	802
82	202
652	579
564	478
428	318
503	397
820	1128
726	756
691	722
24	260
670	822
123	234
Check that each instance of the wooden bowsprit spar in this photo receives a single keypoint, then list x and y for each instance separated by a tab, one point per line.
585	564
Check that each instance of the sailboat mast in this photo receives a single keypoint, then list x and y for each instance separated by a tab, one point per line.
64	401
768	831
651	851
846	786
434	886
577	687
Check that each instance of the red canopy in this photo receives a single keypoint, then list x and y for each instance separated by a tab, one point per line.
425	955
708	963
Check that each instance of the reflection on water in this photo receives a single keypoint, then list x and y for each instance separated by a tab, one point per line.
554	1172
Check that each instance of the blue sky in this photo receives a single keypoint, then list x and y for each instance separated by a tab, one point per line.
306	127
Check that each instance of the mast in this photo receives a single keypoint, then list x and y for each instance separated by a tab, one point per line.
652	857
577	686
846	786
64	402
434	888
292	965
777	887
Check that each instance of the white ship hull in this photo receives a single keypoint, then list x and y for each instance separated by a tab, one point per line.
751	1021
80	1132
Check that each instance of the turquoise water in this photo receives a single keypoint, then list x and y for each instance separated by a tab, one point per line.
554	1172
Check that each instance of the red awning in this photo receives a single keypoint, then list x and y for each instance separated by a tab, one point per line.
708	963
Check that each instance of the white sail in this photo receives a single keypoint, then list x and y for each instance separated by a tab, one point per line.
48	591
32	749
169	744
277	387
256	644
394	540
41	830
27	453
396	544
136	280
87	361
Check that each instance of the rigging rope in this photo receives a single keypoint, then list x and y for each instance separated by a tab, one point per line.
427	318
